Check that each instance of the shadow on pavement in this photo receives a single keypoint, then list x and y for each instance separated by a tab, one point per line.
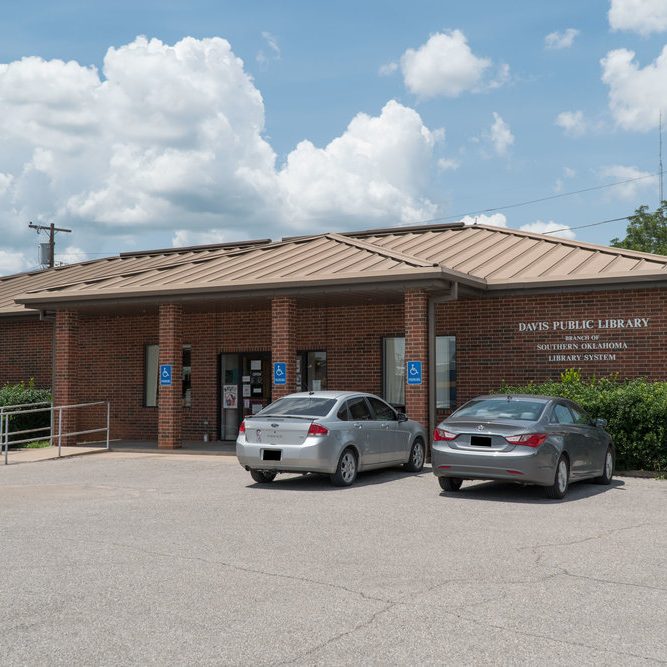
319	482
517	493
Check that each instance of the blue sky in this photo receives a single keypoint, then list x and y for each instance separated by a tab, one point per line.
460	107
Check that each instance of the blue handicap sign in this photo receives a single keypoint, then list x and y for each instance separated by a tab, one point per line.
414	373
165	375
279	372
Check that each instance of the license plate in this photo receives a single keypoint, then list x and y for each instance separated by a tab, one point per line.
271	454
480	441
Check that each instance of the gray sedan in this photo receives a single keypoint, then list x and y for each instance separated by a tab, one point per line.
529	439
333	432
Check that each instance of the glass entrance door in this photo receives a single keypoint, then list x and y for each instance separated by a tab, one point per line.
245	390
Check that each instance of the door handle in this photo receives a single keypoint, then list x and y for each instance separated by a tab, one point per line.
385	425
357	426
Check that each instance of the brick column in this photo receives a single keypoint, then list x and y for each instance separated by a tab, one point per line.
416	349
65	372
283	342
170	399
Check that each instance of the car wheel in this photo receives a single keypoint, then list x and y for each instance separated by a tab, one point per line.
608	470
561	480
416	461
346	472
262	477
450	484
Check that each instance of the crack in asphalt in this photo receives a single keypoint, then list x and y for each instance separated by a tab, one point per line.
240	568
537	635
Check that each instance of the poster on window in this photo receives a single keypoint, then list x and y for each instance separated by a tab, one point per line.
230	395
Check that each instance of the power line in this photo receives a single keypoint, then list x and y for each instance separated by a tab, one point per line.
591	224
541	199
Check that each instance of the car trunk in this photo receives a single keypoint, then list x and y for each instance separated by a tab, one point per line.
277	430
487	436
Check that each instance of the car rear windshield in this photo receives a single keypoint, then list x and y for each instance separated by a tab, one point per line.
299	406
500	408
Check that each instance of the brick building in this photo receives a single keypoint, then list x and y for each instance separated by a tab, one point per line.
476	305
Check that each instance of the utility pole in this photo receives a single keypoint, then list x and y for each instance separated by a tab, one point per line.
662	195
51	229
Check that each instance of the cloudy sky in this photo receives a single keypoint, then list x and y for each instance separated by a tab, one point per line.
159	123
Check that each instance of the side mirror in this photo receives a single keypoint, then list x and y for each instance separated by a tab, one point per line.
402	417
600	423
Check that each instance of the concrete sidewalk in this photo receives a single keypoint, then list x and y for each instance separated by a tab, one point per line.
47	453
217	448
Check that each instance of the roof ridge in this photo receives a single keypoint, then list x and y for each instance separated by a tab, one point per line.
379	250
576	244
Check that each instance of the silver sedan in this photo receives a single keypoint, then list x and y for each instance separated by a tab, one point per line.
333	432
530	439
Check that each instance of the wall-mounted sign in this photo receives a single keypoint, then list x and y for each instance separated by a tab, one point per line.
230	394
165	375
279	372
585	340
414	372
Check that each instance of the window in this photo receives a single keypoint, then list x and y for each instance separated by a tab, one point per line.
445	371
382	411
580	417
359	410
187	375
343	413
394	371
301	406
562	415
501	408
151	367
311	371
151	372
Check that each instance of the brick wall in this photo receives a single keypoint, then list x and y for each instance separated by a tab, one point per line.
26	346
491	350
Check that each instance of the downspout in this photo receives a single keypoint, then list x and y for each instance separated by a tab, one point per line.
433	301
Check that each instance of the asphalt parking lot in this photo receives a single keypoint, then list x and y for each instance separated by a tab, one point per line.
120	558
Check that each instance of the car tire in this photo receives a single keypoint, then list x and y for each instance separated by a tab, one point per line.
417	454
263	477
608	470
346	471
450	484
561	480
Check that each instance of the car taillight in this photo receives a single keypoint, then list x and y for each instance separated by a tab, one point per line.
317	429
440	434
242	427
527	439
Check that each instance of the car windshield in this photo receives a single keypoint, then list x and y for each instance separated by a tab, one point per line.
298	406
489	409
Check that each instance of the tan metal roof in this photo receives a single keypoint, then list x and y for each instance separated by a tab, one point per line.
62	276
480	256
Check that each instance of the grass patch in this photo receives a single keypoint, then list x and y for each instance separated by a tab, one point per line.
37	444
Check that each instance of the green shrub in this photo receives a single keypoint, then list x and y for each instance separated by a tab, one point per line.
635	410
18	394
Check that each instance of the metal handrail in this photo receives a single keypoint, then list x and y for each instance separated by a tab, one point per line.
5	433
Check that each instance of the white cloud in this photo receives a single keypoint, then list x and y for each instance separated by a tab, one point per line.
71	255
445	65
170	139
560	40
635	94
375	170
540	227
568	172
642	16
13	262
500	135
448	164
639	181
185	237
495	219
572	123
264	58
387	69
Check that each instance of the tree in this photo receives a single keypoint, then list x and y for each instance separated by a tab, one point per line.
646	231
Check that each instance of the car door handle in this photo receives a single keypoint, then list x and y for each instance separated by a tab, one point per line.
385	425
357	425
